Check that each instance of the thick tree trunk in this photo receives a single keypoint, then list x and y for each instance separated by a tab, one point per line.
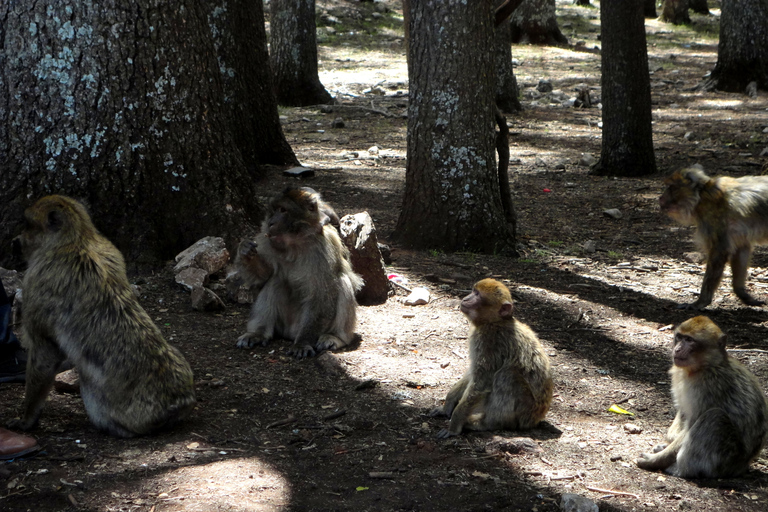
506	84
121	104
452	199
240	38
675	11
627	136
293	52
535	22
649	8
742	54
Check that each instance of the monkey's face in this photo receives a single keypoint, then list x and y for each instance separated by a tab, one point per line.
698	342
679	199
488	302
293	218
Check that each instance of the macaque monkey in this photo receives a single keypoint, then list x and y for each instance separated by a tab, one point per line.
730	214
79	305
509	381
305	275
722	414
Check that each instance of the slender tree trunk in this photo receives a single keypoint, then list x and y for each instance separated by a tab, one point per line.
535	22
240	39
627	134
675	11
452	199
506	84
293	51
742	54
649	8
122	104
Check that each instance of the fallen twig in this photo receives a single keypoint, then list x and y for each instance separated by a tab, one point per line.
610	491
290	419
756	350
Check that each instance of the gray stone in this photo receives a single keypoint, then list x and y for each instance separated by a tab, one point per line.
587	160
613	213
359	235
189	278
544	86
209	254
299	172
204	299
575	503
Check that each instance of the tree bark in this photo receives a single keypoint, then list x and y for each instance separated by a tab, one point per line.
293	51
534	22
240	39
699	6
123	105
506	84
742	53
452	199
649	8
675	11
627	148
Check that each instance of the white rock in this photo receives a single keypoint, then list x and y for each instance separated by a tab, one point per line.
418	297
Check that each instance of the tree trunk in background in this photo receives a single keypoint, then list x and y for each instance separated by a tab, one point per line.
452	199
583	3
293	52
699	6
627	148
649	8
675	11
247	79
506	84
122	105
535	22
742	54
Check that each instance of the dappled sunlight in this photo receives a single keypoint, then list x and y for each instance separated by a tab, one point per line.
240	484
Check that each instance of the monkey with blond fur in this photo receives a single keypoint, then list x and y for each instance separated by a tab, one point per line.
509	381
722	413
730	215
79	305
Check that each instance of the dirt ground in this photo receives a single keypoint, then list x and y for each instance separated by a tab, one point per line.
349	431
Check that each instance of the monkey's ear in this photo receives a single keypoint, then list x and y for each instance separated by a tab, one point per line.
55	220
505	311
721	342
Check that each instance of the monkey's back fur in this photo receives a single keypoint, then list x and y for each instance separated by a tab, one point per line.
508	360
725	414
79	305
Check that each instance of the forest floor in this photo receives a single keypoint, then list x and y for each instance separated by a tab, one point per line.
356	434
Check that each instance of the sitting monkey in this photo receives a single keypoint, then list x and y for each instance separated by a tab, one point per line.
722	413
302	268
509	381
79	305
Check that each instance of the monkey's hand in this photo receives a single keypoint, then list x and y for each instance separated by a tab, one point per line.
301	351
250	340
438	411
446	433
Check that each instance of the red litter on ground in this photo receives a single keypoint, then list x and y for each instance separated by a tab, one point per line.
547	190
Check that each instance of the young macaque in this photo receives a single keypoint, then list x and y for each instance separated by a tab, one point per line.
722	414
305	276
730	214
509	381
79	306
